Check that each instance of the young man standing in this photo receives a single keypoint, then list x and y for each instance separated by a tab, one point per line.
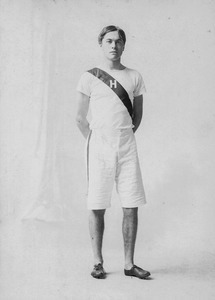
114	94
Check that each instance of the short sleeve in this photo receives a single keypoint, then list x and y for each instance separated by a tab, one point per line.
84	84
139	85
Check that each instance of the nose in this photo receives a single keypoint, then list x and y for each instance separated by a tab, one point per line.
113	44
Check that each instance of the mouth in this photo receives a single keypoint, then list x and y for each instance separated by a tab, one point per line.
113	52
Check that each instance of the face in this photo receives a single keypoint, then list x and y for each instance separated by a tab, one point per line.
112	45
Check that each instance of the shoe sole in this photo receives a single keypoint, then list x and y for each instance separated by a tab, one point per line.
102	276
133	275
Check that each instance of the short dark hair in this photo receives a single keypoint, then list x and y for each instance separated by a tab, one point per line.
111	28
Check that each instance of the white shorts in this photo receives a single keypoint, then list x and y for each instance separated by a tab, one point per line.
112	157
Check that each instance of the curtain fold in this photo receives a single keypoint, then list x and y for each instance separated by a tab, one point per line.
33	113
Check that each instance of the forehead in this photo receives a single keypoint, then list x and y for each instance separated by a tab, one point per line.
113	35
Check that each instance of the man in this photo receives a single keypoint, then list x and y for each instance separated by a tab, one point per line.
114	94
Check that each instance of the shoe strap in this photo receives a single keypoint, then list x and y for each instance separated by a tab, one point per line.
134	266
98	266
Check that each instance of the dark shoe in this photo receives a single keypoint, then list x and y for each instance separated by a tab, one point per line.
98	272
137	272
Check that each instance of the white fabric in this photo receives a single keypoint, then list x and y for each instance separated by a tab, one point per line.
106	107
113	158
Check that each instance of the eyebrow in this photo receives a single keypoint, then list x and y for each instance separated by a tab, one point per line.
109	39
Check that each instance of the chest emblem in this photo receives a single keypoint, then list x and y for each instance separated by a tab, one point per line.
113	83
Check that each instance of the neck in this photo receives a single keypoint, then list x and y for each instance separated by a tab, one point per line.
113	65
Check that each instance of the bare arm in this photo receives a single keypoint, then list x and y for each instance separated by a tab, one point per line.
137	111
81	116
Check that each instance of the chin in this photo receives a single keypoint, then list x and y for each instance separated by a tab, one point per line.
114	58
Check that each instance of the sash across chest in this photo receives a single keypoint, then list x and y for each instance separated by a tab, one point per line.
115	86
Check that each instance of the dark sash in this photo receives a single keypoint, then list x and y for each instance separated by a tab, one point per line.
115	86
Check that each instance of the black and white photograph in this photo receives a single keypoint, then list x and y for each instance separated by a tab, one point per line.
107	142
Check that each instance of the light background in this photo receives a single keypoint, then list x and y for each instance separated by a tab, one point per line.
45	46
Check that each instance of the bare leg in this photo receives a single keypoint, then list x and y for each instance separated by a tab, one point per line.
96	226
129	229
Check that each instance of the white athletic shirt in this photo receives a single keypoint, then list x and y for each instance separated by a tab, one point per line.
107	109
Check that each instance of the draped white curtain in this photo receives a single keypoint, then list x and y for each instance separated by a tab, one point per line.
39	165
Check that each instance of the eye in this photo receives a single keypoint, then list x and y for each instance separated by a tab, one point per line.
119	42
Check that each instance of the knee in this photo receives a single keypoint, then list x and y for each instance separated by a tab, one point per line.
99	213
130	212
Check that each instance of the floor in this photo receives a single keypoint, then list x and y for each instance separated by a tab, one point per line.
52	261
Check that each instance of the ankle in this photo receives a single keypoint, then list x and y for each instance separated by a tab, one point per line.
128	266
98	261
